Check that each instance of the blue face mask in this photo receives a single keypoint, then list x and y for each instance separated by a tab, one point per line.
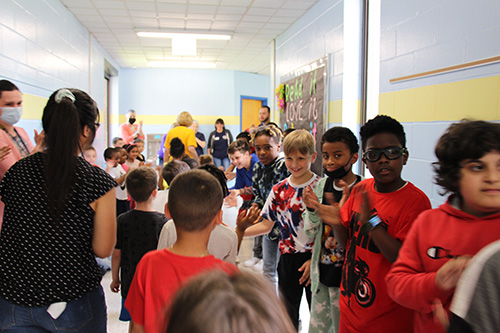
11	115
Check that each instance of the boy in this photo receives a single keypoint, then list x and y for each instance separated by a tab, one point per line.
118	142
270	170
113	157
340	151
373	244
285	207
441	240
137	232
178	152
194	202
239	154
90	155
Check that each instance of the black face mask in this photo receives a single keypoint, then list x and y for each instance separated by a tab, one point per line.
131	121
338	173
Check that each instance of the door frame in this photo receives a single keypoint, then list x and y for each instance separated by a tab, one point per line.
242	97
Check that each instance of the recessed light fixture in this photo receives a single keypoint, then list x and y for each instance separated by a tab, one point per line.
157	34
181	64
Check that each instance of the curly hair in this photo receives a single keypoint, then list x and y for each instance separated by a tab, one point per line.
382	124
464	140
271	131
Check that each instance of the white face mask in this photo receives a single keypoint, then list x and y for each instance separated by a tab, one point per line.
11	115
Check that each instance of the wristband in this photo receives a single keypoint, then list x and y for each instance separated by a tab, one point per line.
372	223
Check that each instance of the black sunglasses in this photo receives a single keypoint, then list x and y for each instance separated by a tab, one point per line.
392	153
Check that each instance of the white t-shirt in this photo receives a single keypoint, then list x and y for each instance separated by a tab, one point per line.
160	201
121	191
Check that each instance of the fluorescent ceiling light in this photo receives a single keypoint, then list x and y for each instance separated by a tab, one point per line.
181	64
183	46
152	34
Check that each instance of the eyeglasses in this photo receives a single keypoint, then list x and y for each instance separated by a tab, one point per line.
392	153
97	126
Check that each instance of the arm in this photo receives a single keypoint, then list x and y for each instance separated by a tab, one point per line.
115	270
245	220
135	327
104	236
386	243
209	147
125	133
200	142
140	133
230	174
193	153
261	228
330	215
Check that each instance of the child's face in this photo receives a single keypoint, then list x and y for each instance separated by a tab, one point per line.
337	155
90	156
133	153
115	159
239	159
266	149
123	156
386	172
140	146
119	143
480	185
299	165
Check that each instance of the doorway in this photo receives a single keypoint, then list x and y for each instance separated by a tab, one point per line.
250	111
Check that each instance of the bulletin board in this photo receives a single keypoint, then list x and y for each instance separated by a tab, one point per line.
305	102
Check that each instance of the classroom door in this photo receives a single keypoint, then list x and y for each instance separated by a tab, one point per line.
250	112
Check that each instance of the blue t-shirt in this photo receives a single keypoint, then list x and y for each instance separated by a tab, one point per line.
244	176
200	136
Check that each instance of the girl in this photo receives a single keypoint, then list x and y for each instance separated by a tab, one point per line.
218	142
72	203
112	156
132	162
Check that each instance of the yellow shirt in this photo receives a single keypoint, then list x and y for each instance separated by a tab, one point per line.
185	134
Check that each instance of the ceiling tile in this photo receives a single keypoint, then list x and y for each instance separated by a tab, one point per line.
167	7
140	6
100	4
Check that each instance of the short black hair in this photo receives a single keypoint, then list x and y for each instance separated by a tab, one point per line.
219	174
341	134
266	107
244	135
109	152
382	124
140	183
464	140
238	145
6	85
177	148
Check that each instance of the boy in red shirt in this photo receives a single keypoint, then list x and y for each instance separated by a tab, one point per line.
442	240
194	202
372	225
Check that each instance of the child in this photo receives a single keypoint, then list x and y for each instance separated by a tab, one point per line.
340	152
239	154
123	157
223	243
218	302
115	170
194	202
270	170
243	136
285	206
137	232
140	146
118	142
373	246
438	245
178	152
90	155
132	162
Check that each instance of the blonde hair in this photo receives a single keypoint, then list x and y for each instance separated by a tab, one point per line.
184	119
224	303
301	141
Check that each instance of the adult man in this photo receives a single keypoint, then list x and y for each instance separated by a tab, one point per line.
264	115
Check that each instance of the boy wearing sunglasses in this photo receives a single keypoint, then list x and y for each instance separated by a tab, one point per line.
372	225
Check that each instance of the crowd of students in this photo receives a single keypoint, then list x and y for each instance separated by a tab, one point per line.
369	254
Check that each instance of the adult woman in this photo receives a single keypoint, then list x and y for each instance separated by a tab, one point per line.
183	132
59	213
200	138
218	142
130	130
14	141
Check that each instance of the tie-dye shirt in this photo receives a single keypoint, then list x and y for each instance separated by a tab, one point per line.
285	206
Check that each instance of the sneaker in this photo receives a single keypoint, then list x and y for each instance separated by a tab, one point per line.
250	262
259	266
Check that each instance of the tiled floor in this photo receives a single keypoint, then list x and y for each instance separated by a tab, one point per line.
113	300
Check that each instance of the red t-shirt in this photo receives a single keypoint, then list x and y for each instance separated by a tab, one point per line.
364	302
157	278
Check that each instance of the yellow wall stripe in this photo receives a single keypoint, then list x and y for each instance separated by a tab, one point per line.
169	119
33	106
476	99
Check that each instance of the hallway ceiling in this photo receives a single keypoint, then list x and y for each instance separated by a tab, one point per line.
253	25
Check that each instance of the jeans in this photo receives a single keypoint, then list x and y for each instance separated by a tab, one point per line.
85	314
222	162
271	255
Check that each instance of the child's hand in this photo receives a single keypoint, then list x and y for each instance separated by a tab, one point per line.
346	191
110	164
365	209
447	276
329	214
248	218
310	199
230	200
230	175
306	275
440	314
115	286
